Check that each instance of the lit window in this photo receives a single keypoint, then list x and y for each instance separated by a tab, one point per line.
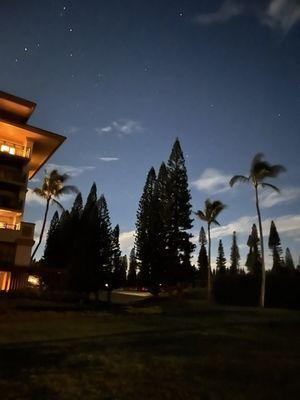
5	148
33	280
8	149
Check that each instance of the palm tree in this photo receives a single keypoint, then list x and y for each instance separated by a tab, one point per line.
259	171
209	215
52	189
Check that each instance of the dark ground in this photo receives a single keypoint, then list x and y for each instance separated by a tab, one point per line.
172	348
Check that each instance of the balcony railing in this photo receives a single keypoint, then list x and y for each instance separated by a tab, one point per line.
14	149
20	230
14	227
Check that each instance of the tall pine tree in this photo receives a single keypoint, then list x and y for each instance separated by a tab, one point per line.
117	267
202	259
234	255
51	256
221	260
179	206
86	273
146	239
105	242
289	262
275	246
253	262
132	273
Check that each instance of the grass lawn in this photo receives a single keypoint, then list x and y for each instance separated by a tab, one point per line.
170	348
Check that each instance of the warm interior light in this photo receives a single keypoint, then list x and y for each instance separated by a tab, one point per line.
33	280
4	148
8	149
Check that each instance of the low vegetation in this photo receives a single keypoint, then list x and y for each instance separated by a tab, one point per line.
165	348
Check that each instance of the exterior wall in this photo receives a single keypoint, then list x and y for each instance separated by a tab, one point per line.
23	254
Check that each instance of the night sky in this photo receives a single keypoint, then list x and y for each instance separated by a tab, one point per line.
121	79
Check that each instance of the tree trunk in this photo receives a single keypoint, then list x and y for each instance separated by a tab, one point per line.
43	228
209	264
263	269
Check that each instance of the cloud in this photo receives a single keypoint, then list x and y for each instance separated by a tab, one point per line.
34	180
32	198
121	127
108	159
105	129
276	14
271	198
286	224
228	10
38	228
126	241
212	181
282	14
72	171
72	129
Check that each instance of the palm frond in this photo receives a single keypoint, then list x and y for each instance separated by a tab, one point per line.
67	189
59	205
275	170
200	214
261	169
256	160
268	185
215	222
39	192
217	207
238	178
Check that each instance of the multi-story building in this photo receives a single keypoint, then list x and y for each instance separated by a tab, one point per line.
24	149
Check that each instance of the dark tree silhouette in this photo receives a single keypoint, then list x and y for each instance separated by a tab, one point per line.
53	187
105	241
117	266
180	209
132	273
221	259
275	245
259	171
253	262
209	215
87	274
145	238
51	256
202	259
289	262
234	255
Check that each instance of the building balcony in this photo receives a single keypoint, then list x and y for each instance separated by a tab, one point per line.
12	233
13	149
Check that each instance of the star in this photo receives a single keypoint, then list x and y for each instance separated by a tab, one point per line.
181	14
71	54
25	48
70	29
